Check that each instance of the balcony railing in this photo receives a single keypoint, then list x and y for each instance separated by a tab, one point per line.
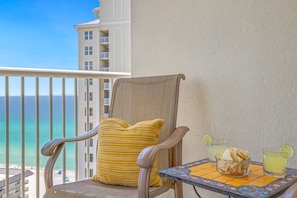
104	68
36	106
104	39
104	55
106	101
106	85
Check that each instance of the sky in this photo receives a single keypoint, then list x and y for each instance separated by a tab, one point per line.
41	33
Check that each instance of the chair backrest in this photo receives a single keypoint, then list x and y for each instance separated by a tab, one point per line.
146	98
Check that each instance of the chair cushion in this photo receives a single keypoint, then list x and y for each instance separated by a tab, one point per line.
119	145
91	189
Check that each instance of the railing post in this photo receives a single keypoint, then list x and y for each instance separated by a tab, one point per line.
37	110
7	136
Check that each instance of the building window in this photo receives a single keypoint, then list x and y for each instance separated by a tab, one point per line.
91	157
91	172
88	35
91	96
85	157
91	142
91	111
88	65
88	50
91	126
90	81
85	172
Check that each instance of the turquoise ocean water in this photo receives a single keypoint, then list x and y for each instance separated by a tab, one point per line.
15	132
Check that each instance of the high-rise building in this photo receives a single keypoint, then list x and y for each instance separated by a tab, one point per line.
104	44
15	184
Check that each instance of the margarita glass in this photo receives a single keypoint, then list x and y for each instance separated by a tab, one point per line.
274	164
218	146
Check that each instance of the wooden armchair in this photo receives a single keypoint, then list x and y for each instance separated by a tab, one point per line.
133	100
291	192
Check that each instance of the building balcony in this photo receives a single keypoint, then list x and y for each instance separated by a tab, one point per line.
106	86
104	68
104	55
106	101
37	105
104	40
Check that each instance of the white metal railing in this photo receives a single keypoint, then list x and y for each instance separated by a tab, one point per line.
106	85
104	55
106	101
104	39
43	81
104	68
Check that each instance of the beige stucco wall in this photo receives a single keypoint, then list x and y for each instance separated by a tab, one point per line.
240	62
114	10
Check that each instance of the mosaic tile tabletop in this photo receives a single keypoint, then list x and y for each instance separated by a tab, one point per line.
256	184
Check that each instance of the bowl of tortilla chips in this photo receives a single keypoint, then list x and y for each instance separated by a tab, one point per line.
233	162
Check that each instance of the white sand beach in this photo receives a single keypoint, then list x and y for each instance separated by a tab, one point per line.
57	179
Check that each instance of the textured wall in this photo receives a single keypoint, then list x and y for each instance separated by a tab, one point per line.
240	62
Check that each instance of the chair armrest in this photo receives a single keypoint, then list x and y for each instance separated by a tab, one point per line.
291	192
147	155
49	148
53	148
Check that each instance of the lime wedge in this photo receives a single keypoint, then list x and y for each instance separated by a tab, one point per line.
287	151
207	139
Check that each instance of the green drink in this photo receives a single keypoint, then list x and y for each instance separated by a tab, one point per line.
218	146
274	164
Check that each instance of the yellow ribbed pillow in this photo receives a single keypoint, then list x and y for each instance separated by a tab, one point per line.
119	145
